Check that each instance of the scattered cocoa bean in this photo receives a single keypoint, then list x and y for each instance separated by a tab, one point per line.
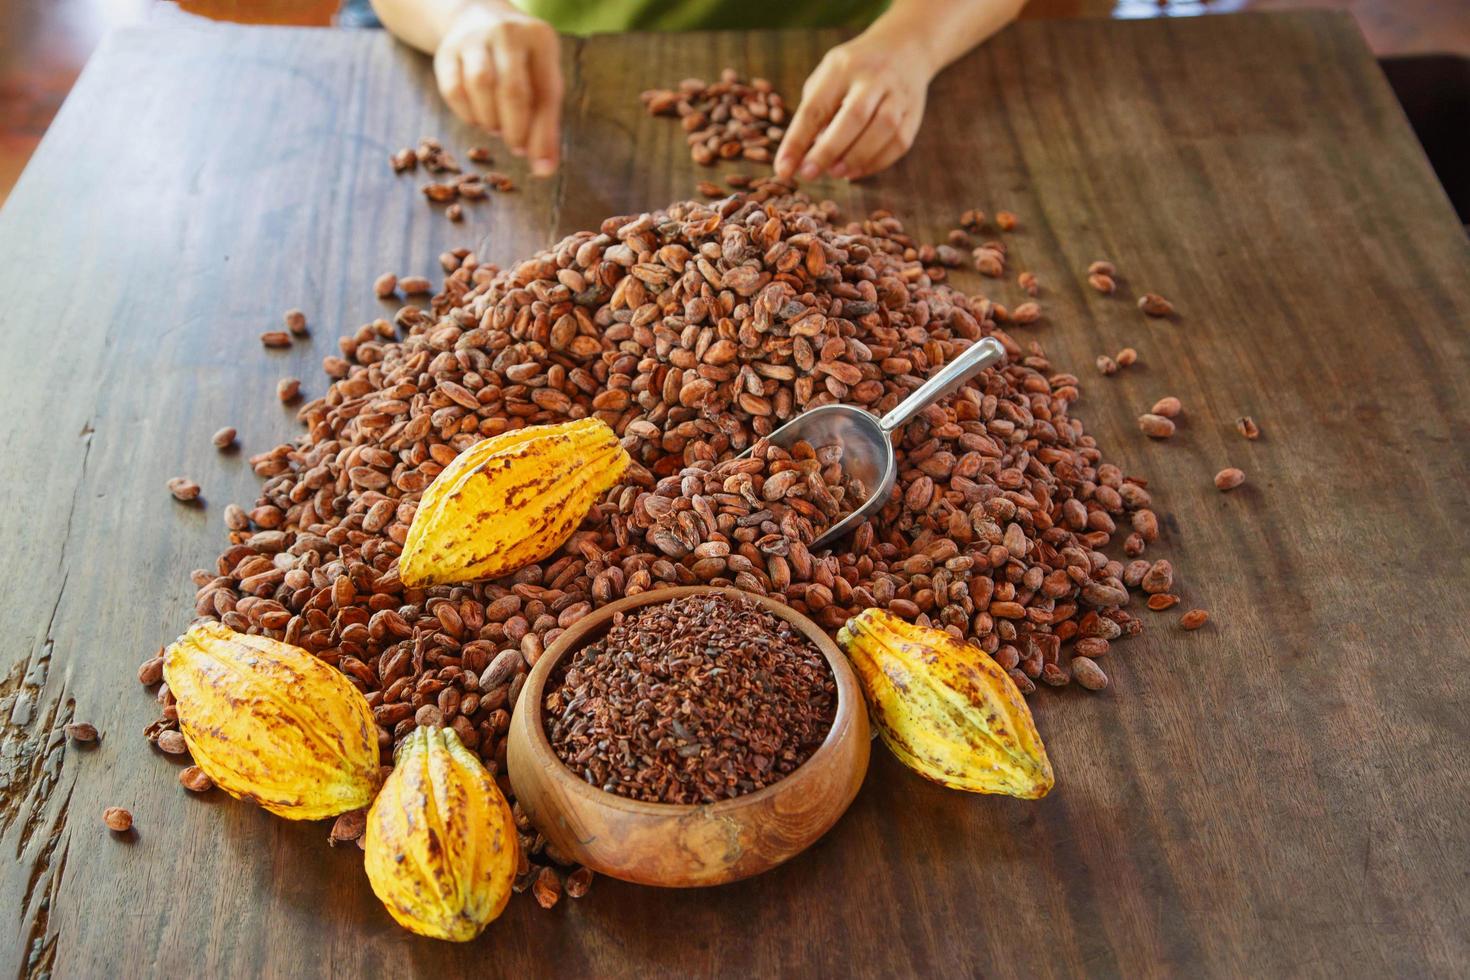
578	882
1054	675
80	732
288	390
1089	674
547	888
1152	304
1168	406
1026	313
1102	283
150	672
1159	578
1156	426
117	819
1161	601
1194	619
1229	478
1247	427
1106	364
172	742
415	286
385	285
295	322
183	489
350	826
989	262
404	160
1126	357
194	779
1006	221
223	438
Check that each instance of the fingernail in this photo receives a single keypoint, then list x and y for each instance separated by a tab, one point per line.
809	171
518	151
838	169
543	167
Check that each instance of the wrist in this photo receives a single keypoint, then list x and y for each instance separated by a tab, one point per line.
903	42
472	13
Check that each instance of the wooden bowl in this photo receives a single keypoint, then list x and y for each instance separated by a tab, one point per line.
675	845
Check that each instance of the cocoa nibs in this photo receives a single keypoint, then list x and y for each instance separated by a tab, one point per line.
696	700
727	120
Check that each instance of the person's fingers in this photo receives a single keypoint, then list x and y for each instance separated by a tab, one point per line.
883	127
892	151
513	93
479	77
844	129
450	79
544	142
820	98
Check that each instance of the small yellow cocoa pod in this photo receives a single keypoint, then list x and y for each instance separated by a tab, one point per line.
440	844
945	708
509	501
270	723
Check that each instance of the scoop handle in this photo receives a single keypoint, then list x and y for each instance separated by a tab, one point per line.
975	358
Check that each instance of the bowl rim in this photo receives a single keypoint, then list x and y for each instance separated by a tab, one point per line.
849	701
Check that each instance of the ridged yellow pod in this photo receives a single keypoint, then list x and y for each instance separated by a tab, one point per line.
270	723
440	844
509	501
945	708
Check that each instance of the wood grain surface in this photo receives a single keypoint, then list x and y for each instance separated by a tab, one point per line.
1282	793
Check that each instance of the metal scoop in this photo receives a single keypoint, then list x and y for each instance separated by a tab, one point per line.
866	441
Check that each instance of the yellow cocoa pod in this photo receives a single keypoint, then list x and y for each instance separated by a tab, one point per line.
509	501
945	708
440	845
270	723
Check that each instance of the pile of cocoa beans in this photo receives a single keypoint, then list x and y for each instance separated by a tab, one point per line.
692	331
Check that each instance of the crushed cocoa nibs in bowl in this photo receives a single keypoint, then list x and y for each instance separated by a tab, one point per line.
699	699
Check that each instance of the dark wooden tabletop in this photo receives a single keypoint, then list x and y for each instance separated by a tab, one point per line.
1282	793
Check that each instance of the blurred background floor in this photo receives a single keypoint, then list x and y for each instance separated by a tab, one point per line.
44	43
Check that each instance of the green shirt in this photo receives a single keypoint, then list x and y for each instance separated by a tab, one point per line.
607	16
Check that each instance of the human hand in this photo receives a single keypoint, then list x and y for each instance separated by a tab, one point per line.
860	110
500	70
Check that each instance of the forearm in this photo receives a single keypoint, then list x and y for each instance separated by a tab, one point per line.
423	23
941	31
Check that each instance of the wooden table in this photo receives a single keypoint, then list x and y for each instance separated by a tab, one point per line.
1284	792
